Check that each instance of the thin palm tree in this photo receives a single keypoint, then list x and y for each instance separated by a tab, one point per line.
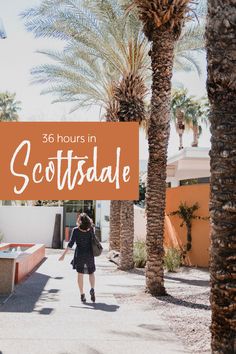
179	103
9	107
196	114
162	24
221	87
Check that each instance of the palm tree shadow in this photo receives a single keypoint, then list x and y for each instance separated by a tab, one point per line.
99	306
194	282
138	271
174	300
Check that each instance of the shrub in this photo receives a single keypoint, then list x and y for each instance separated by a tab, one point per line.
140	254
172	259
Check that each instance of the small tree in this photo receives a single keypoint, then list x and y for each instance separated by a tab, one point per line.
186	213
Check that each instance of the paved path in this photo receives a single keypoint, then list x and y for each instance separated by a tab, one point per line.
45	316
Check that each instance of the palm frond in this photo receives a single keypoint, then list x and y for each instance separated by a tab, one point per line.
103	45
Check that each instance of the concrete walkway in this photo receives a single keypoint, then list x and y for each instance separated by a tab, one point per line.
45	316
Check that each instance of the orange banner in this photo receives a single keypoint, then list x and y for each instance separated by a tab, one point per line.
69	160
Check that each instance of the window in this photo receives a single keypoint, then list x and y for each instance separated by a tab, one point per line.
190	181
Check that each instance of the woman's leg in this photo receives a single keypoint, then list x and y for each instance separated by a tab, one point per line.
92	280
80	280
92	284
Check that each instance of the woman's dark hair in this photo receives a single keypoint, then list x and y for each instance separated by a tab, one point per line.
84	221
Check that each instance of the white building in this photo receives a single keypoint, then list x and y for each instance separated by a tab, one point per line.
191	163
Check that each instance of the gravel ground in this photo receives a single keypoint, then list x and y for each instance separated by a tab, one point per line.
186	308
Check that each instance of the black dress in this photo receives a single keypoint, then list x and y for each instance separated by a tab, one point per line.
83	260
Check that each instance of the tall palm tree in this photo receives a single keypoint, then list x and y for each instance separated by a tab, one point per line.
162	24
130	95
221	86
196	114
9	107
179	104
188	113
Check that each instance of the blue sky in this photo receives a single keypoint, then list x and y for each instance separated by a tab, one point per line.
17	57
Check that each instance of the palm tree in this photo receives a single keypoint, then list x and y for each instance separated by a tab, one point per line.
114	44
220	41
114	237
179	103
130	95
187	214
196	114
163	22
9	107
188	112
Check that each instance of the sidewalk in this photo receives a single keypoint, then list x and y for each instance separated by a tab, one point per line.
45	315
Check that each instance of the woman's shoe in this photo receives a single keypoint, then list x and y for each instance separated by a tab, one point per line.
83	298
92	294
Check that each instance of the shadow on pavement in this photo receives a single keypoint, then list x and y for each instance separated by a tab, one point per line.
45	311
91	350
195	282
138	334
174	300
150	327
132	286
27	294
100	306
159	337
138	271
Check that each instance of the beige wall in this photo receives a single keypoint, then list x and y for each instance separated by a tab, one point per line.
139	224
28	224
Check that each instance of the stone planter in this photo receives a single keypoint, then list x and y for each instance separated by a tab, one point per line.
7	273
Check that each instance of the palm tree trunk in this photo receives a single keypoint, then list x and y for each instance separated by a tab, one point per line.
114	238
195	136
127	235
130	94
162	54
180	127
221	48
181	141
115	205
189	237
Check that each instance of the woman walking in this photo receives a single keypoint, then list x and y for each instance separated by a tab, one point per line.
83	261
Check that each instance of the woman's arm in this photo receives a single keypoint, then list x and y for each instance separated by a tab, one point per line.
69	246
61	258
